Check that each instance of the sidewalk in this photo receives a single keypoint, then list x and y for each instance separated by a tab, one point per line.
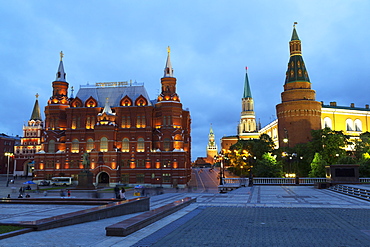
249	216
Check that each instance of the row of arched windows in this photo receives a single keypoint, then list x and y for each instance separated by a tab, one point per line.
350	124
140	145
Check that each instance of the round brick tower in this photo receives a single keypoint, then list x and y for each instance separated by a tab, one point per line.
299	112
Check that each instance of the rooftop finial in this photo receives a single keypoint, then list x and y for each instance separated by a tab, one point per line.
37	95
61	55
246	68
295	23
168	49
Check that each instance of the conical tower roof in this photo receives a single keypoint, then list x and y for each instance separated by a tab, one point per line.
168	70
247	89
296	67
36	114
61	75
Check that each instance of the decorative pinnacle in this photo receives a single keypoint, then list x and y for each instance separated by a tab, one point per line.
168	49
295	23
37	95
61	56
246	68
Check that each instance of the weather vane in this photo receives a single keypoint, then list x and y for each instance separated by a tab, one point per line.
295	23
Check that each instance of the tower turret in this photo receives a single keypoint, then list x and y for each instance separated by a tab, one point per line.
211	146
299	112
248	119
168	82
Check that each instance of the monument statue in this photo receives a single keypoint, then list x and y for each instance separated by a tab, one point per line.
86	161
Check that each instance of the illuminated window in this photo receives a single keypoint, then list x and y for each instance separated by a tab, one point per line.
75	146
126	122
104	144
74	122
125	145
51	146
88	123
140	122
140	145
89	144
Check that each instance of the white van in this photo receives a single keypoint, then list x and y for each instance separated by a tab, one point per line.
66	181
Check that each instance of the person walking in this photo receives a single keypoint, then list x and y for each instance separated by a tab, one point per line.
123	194
117	192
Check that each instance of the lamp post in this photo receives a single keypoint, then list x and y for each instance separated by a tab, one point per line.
7	169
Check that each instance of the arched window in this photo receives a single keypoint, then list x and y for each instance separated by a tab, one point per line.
327	123
358	125
89	144
75	146
166	144
125	145
140	145
349	124
51	146
104	144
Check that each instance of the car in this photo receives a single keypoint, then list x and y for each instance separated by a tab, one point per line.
44	183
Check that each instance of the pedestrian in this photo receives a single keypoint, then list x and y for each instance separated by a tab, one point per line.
69	193
177	188
117	192
28	195
123	194
16	175
143	192
45	193
20	196
62	194
8	196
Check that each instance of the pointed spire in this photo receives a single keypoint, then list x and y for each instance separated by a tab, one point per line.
168	70
36	114
61	75
296	67
211	131
294	35
247	89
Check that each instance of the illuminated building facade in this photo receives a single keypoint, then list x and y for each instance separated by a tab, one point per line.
130	138
299	112
30	143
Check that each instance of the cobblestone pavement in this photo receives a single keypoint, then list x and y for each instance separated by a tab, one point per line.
249	216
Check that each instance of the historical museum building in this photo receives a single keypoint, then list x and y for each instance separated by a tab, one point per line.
299	112
130	138
7	153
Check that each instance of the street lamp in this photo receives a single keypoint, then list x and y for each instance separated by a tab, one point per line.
7	170
220	158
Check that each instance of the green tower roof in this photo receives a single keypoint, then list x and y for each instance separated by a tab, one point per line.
247	89
296	67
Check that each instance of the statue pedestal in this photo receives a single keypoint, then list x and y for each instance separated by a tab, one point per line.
343	174
85	180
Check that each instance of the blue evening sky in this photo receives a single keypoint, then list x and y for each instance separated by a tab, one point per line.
211	44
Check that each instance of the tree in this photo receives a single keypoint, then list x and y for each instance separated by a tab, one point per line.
329	144
267	167
317	166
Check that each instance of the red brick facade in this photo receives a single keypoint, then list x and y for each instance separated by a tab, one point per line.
130	138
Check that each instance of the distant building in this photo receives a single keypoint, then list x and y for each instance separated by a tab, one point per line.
130	138
211	147
30	143
7	153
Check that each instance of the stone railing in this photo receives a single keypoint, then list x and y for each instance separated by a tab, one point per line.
278	181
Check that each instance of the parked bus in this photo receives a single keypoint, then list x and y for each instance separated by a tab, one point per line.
66	181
